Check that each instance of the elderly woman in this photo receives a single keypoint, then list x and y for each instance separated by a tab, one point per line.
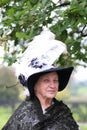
41	111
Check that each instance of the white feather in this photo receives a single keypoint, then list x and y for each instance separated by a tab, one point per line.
41	53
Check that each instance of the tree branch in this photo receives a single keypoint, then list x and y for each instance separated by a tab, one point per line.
82	32
64	4
61	5
13	85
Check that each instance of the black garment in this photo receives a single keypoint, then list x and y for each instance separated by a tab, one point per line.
29	116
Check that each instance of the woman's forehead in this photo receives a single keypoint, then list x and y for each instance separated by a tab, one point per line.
50	74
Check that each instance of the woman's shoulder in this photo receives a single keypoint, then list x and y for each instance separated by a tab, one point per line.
26	104
61	105
22	110
19	116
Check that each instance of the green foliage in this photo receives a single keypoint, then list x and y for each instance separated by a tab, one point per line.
3	2
33	1
9	87
79	113
22	20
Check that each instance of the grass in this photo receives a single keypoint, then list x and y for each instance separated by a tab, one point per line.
6	112
84	128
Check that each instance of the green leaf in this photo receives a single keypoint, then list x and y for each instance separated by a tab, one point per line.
11	12
1	32
3	2
29	4
33	1
21	35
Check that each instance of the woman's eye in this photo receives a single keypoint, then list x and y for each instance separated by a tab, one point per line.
56	81
46	80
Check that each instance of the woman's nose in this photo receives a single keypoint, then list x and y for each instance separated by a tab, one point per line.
52	84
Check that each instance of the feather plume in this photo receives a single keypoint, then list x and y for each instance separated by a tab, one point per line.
41	53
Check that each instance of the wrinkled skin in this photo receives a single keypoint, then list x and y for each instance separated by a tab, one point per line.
29	116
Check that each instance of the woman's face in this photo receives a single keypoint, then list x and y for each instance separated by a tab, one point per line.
47	85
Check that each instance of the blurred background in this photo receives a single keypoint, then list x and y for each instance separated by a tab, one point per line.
20	21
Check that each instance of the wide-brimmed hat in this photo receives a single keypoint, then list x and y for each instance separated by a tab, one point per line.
63	74
39	58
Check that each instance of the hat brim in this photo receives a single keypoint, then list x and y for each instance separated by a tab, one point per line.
63	74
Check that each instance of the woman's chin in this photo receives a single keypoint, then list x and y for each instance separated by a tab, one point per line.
51	96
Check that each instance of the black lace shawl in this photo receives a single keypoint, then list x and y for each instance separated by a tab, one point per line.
29	116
